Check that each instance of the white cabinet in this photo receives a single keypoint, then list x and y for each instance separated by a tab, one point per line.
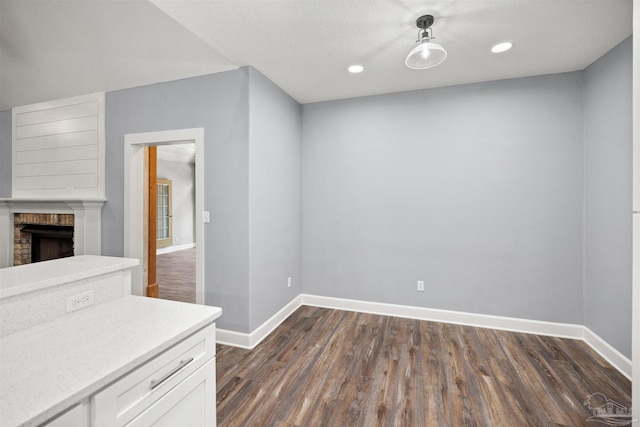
179	384
190	404
176	388
103	365
74	417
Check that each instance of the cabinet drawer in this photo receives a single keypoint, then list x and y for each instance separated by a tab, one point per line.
123	400
187	405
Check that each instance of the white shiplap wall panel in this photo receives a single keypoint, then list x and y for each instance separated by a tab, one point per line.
57	127
58	148
57	182
85	152
57	141
71	167
84	109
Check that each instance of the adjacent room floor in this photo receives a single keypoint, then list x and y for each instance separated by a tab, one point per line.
324	367
176	275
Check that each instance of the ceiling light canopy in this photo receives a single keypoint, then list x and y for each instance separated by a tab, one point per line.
501	47
426	54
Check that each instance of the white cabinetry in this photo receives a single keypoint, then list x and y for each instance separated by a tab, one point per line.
190	404
74	417
176	388
125	360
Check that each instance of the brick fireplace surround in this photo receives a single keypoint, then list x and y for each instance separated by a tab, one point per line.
22	241
83	214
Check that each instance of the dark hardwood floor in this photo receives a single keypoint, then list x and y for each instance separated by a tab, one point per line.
324	367
176	275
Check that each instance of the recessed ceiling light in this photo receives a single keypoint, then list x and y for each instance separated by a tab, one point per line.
502	47
355	69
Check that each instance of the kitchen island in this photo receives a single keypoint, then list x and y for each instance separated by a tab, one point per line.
76	348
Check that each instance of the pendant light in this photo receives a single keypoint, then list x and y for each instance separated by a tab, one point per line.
426	54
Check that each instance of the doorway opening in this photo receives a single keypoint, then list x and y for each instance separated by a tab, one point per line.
175	251
135	244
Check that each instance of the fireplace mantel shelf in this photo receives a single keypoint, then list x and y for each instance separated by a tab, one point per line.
39	200
36	205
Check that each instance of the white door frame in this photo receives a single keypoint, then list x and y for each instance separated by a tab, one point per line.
635	356
635	327
134	198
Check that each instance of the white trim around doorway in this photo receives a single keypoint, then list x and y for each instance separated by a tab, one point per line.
133	198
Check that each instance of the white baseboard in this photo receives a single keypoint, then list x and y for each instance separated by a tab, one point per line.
513	324
176	248
250	340
233	338
563	330
610	354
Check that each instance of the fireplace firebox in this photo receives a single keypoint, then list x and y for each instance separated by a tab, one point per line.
41	237
50	241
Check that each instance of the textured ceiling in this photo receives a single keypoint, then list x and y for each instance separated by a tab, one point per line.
55	49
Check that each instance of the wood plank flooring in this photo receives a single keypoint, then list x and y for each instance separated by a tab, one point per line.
176	275
325	367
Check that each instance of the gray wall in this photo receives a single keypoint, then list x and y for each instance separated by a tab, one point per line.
219	104
5	153
252	183
275	182
183	198
608	180
475	189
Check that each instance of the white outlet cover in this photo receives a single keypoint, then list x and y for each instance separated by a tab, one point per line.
76	302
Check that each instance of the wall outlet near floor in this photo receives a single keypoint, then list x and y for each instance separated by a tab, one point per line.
76	302
421	285
289	282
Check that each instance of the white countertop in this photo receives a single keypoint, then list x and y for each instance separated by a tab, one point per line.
50	367
40	275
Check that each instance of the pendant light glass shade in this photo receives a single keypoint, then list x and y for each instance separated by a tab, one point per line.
426	54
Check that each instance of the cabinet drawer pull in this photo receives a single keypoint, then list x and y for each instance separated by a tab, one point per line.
183	363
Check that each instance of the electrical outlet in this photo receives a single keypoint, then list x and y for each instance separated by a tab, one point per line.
420	286
289	282
79	301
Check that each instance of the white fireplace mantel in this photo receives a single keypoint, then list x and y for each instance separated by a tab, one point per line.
87	222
